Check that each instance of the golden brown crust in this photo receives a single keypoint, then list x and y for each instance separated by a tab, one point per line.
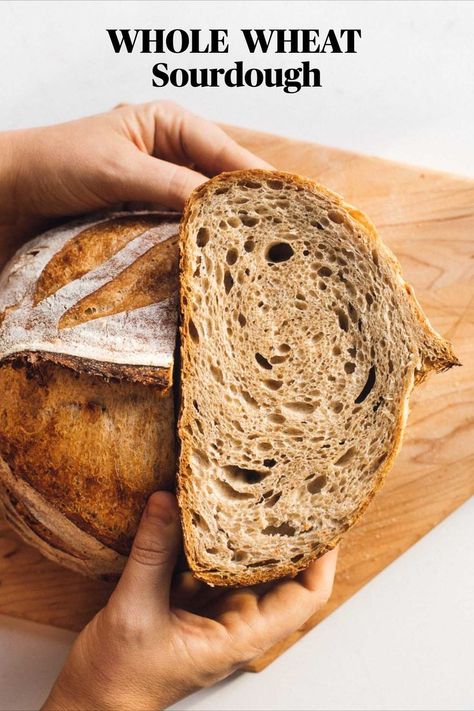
85	440
151	278
94	450
42	526
91	247
437	354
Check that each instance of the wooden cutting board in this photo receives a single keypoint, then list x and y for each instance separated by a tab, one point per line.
427	218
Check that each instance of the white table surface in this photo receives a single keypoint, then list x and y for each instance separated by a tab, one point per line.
405	640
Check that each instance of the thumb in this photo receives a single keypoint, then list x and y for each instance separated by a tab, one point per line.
146	578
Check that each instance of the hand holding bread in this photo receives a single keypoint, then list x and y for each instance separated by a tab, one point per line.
156	642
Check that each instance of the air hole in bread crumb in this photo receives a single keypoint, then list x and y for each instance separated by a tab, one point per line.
203	236
325	272
239	556
316	485
283	203
244	476
264	446
231	256
242	320
262	361
336	350
230	493
279	252
275	184
336	217
276	360
249	245
249	221
370	382
252	184
336	407
221	191
276	418
343	320
249	399
352	313
198	521
217	374
297	558
293	431
284	529
349	367
228	281
269	463
269	503
272	384
233	221
260	563
193	332
299	408
346	457
301	305
284	348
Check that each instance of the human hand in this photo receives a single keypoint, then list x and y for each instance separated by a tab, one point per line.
155	642
133	153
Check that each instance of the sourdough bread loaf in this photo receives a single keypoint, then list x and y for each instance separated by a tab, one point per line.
300	345
88	319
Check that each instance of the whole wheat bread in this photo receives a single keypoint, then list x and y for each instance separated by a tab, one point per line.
88	319
300	345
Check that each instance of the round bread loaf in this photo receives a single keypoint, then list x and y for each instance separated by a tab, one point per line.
88	319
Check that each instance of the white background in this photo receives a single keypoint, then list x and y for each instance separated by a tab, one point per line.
405	641
407	94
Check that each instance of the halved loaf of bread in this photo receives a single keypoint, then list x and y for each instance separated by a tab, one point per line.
88	321
300	345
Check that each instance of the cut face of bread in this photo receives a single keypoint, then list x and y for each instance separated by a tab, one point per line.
300	345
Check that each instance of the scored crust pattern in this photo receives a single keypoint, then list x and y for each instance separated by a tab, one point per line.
56	289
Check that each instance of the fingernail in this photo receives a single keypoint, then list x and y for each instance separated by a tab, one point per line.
159	512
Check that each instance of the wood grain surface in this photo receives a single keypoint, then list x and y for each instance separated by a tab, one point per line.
427	218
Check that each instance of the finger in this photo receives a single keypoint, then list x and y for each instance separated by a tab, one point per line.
319	575
180	135
285	608
146	579
148	179
289	604
195	596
